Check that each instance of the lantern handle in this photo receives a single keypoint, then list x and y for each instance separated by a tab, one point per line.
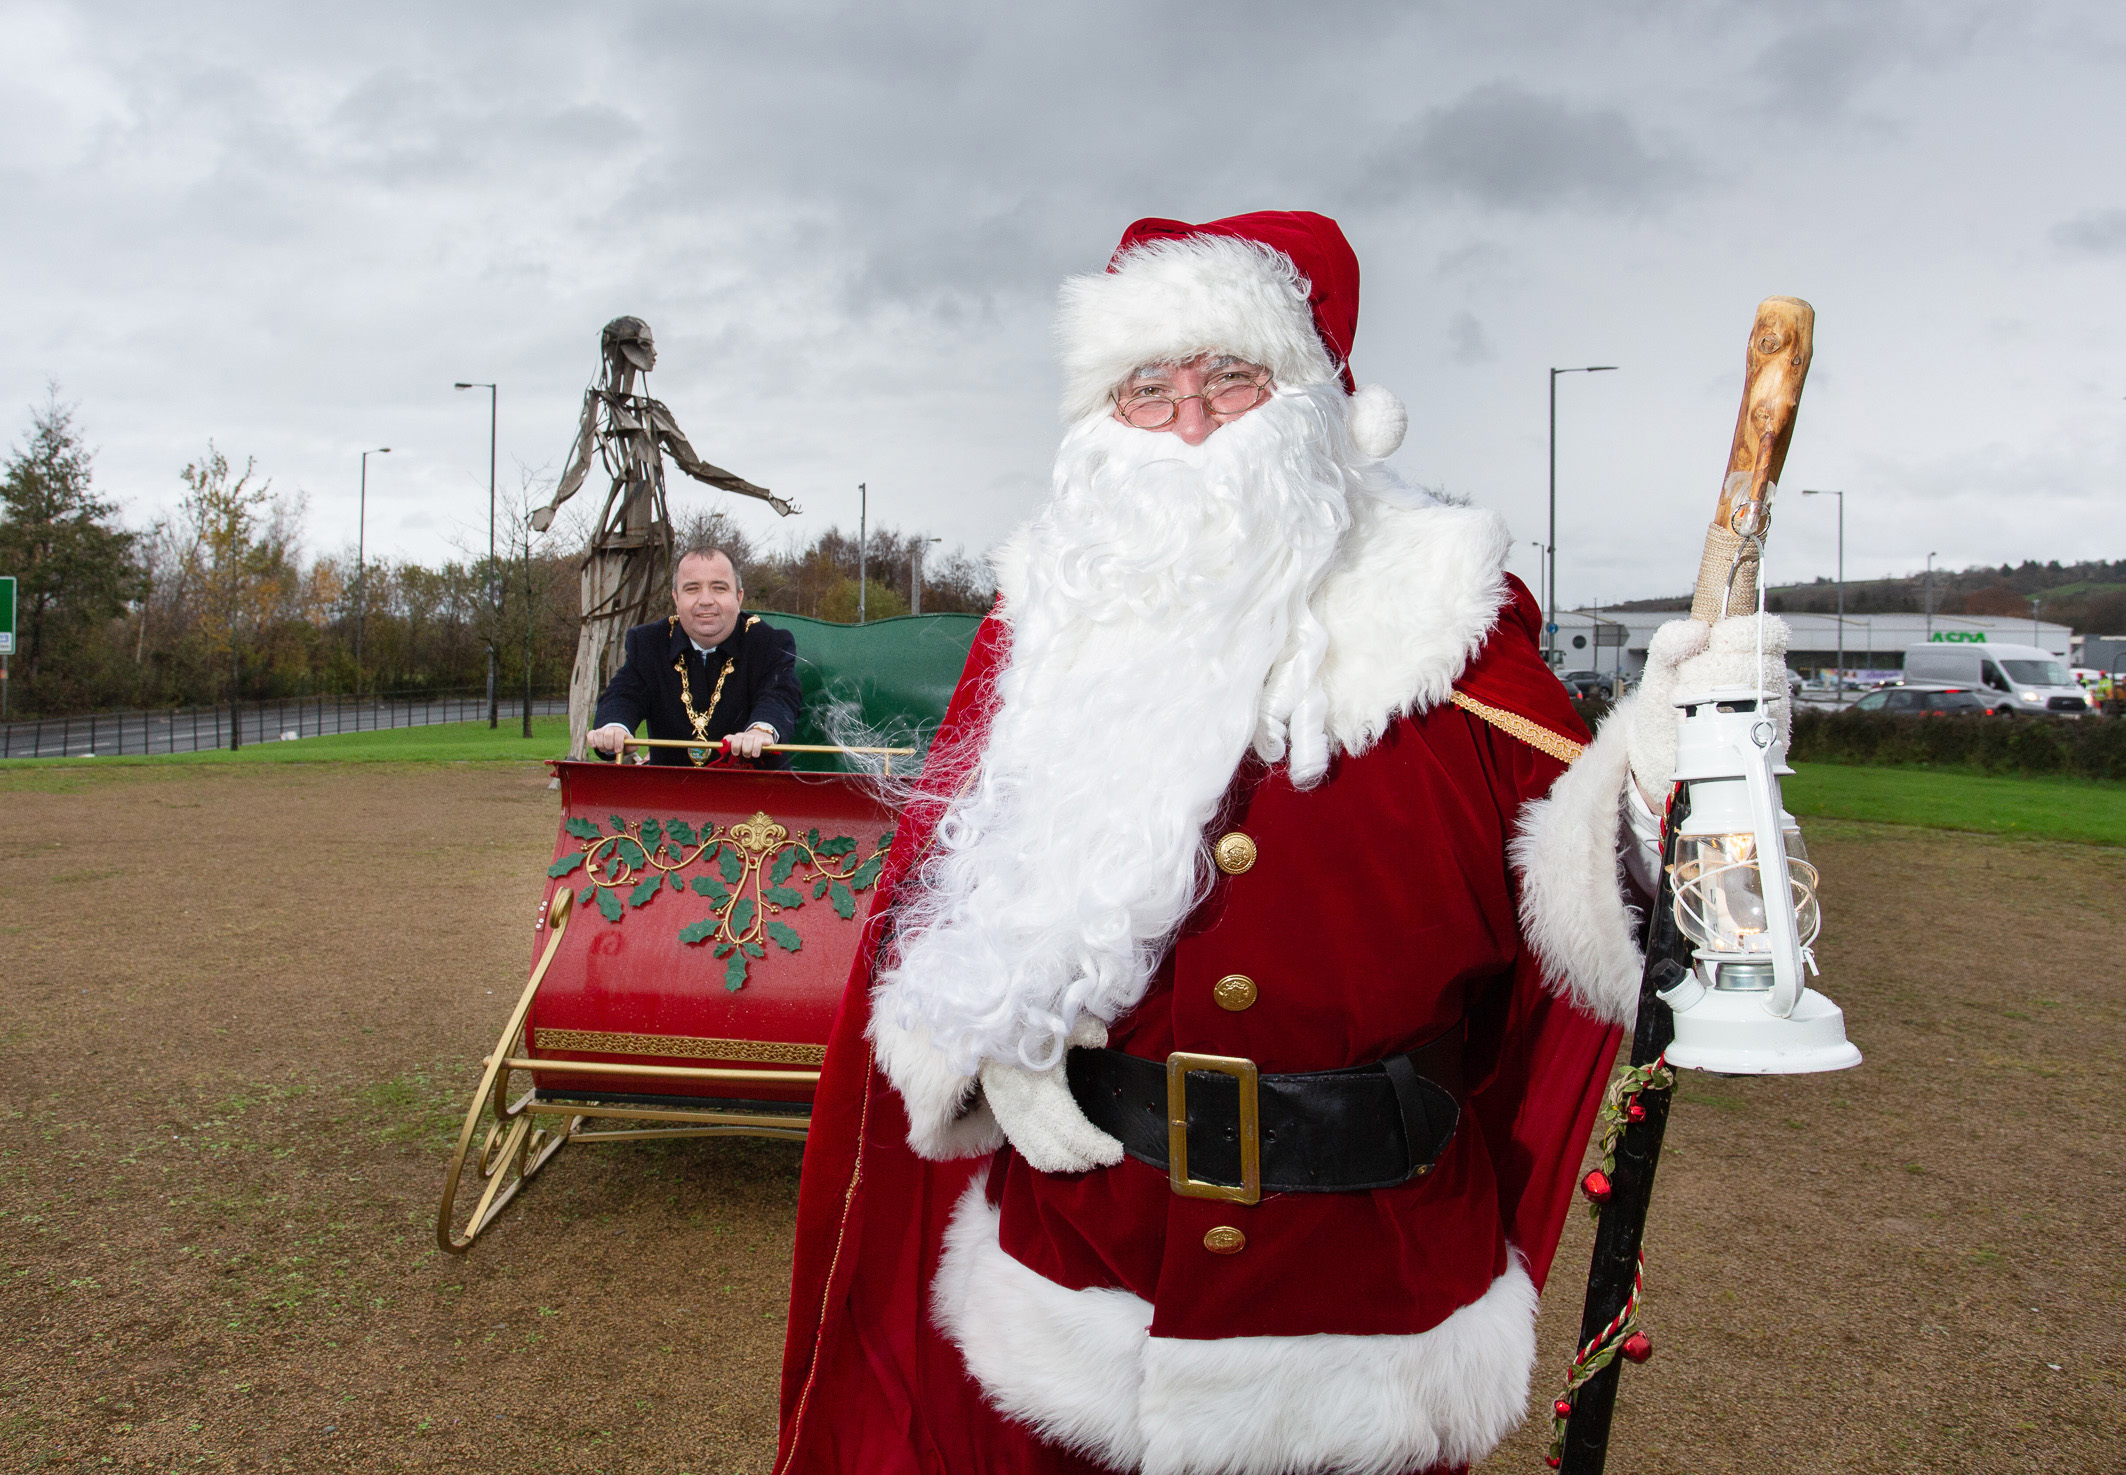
1774	875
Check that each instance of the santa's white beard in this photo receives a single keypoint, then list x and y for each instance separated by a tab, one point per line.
1163	629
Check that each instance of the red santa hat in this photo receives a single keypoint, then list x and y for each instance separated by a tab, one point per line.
1276	287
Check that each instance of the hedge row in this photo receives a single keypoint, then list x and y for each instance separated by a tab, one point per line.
2081	747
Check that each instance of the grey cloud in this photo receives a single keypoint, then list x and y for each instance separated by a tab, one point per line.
1818	69
2093	233
1466	339
1504	146
294	226
1475	262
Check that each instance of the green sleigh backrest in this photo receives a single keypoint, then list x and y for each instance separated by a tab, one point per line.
885	683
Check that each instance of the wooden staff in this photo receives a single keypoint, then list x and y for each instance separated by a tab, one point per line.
1781	343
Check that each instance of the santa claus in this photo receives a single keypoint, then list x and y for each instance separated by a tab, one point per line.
1211	1086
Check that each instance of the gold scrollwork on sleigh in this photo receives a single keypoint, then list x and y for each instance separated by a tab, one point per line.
750	872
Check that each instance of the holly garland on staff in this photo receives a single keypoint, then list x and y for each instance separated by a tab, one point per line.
752	871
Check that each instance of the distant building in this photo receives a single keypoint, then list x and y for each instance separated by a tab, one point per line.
2105	652
1615	642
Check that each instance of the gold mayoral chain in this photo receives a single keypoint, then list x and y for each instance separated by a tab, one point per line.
700	720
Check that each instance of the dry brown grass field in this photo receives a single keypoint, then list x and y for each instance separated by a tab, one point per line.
240	1010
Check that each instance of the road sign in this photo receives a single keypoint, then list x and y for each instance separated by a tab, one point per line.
7	614
1551	628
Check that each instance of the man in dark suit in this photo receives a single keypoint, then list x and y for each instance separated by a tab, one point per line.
709	673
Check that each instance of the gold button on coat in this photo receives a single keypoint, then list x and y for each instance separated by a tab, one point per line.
1225	1240
1235	992
1234	852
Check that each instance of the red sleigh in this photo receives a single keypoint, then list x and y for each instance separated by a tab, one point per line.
698	927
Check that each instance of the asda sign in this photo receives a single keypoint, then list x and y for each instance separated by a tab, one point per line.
1958	637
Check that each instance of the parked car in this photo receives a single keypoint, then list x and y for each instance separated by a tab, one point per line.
2013	678
1920	699
1585	685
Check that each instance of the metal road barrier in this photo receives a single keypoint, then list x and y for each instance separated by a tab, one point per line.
202	729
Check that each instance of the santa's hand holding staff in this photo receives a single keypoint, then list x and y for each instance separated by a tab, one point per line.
1213	1102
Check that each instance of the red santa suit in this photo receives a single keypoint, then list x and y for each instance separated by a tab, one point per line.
1445	873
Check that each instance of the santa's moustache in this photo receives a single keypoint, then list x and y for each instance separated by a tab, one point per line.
1161	631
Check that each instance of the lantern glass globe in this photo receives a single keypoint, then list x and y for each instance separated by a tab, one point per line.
1720	893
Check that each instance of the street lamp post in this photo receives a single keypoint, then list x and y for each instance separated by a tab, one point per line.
494	715
1550	592
863	512
361	564
915	575
1931	556
1826	492
2035	601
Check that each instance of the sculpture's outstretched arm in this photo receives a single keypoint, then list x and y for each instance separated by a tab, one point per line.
579	463
675	443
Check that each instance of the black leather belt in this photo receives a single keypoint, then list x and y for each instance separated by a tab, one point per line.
1223	1130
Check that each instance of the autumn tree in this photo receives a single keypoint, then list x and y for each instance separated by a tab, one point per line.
237	560
71	564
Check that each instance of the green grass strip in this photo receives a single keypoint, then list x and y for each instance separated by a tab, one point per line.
443	742
2086	811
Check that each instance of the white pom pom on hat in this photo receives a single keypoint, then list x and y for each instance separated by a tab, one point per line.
1377	421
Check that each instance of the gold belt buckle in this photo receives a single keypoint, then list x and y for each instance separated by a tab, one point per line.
1178	1065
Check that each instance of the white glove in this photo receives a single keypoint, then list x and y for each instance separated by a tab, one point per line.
1685	656
1040	1117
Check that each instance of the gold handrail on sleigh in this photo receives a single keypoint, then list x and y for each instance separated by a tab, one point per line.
888	753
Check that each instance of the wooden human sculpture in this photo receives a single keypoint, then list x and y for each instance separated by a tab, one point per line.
628	557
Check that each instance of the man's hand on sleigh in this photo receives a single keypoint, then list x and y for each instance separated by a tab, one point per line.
609	738
1039	1116
748	744
1683	657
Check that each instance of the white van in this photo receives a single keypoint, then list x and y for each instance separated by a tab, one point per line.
2021	678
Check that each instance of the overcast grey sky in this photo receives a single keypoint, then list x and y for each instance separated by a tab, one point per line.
292	227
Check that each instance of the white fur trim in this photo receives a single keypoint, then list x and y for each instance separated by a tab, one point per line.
1082	1368
1008	562
1408	604
947	1117
1573	911
1378	421
1067	1362
1168	301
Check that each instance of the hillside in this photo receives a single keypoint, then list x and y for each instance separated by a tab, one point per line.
2090	597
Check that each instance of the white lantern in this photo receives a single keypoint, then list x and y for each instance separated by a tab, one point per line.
1745	894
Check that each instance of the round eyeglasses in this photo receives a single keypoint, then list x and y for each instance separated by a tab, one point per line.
1148	408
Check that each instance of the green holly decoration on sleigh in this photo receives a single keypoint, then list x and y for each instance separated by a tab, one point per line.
749	872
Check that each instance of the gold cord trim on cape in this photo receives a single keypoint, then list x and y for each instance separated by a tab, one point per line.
834	1263
686	1047
1534	734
